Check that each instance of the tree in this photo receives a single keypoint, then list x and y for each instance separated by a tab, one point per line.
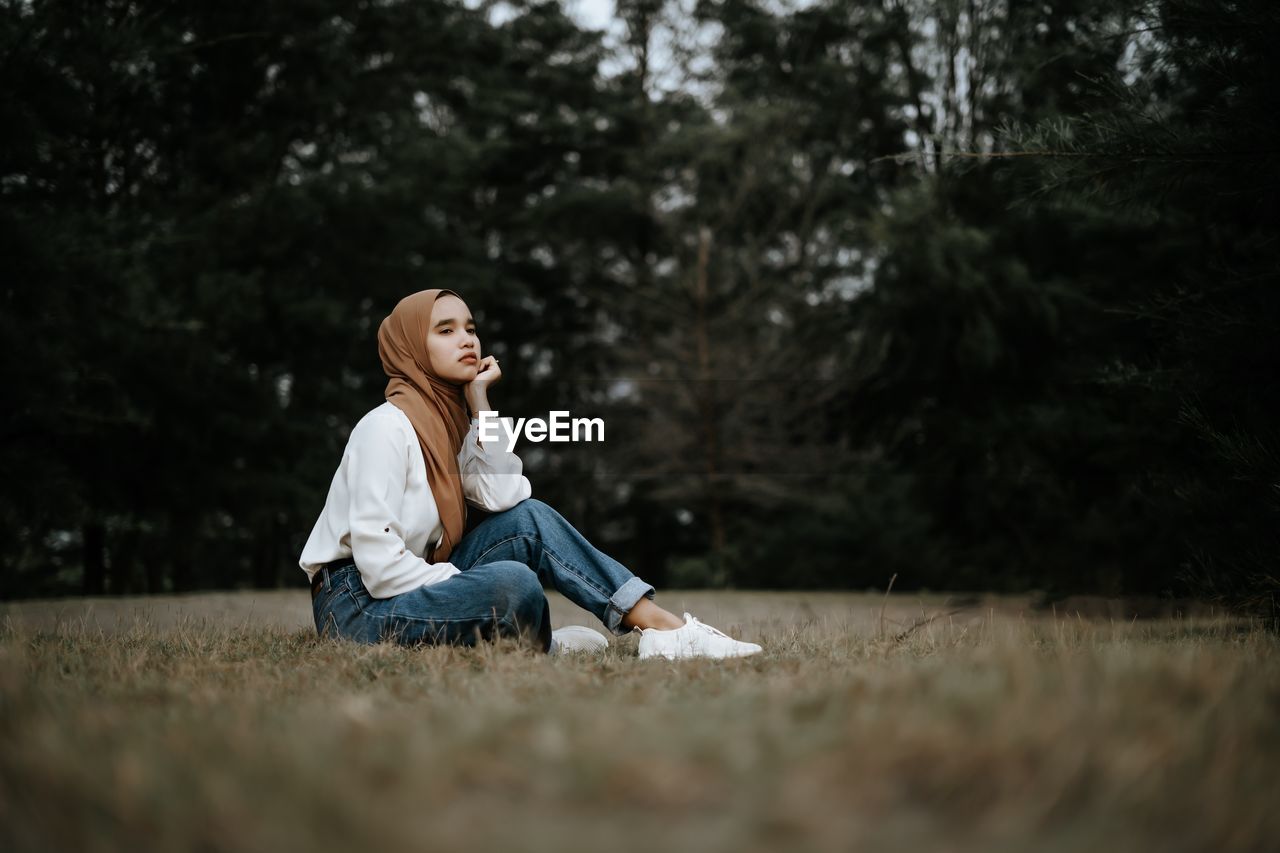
749	187
207	209
1187	141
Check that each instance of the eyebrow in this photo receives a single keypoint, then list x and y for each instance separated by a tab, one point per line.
471	321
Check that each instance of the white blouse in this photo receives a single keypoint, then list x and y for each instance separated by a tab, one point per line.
380	508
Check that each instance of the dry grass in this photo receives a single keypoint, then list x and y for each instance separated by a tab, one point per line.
987	730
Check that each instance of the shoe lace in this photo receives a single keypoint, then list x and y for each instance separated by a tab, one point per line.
703	626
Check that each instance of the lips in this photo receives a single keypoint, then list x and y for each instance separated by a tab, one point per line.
473	359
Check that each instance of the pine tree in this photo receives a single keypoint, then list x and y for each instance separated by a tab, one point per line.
1187	139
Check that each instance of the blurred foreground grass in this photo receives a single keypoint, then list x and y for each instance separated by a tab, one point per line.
987	730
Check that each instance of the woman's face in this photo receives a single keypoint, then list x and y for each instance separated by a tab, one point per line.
451	341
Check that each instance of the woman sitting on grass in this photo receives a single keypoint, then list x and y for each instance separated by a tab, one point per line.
388	560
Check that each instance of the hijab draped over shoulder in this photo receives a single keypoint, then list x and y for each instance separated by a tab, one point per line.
436	408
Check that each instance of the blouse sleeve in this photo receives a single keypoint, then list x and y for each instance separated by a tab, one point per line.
492	475
378	469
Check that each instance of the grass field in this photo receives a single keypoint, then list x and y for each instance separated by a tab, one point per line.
221	722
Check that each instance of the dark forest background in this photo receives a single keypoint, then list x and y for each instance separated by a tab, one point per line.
980	293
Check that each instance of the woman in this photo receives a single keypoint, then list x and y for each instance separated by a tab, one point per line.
388	560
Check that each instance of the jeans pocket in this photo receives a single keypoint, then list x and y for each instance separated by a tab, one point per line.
322	611
354	590
339	615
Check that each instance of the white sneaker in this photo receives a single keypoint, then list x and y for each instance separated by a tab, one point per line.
692	640
577	638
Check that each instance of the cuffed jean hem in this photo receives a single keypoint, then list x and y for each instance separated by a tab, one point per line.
620	604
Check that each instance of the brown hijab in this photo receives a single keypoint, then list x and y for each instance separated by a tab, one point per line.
437	409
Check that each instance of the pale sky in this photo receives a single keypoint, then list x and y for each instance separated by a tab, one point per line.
594	14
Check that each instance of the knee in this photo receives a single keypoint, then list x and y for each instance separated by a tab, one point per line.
517	587
536	510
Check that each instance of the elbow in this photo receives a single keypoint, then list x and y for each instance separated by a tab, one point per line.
517	491
500	493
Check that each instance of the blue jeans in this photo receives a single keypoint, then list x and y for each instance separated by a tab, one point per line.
504	562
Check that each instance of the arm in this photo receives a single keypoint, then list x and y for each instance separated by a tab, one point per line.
492	476
378	468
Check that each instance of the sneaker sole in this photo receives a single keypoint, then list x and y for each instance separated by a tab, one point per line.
578	638
666	656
